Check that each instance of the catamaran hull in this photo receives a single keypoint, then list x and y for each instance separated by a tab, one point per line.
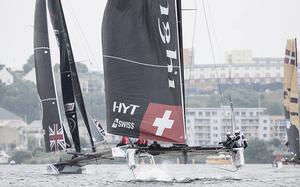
238	157
63	169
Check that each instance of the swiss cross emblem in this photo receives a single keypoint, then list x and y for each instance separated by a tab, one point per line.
163	123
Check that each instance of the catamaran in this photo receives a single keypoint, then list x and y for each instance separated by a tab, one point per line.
55	135
143	70
290	99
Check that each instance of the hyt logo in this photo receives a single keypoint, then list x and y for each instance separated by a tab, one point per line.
123	108
163	123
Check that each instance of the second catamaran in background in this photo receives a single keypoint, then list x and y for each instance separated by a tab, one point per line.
290	98
55	136
143	69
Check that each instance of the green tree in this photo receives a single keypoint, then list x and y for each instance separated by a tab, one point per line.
80	67
21	98
21	156
33	143
29	65
258	151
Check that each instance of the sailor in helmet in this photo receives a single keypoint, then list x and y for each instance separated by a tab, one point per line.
245	142
238	140
228	143
124	141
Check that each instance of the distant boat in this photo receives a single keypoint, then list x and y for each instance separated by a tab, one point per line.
55	136
290	99
12	162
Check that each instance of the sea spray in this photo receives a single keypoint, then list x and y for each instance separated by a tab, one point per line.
152	173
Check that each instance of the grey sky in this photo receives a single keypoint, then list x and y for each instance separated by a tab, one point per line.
260	25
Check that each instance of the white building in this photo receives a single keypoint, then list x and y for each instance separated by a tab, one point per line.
208	126
238	57
11	131
261	70
5	76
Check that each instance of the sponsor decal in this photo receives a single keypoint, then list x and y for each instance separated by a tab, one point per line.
165	36
163	123
122	124
125	109
69	107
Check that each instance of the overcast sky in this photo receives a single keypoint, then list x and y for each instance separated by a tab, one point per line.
260	25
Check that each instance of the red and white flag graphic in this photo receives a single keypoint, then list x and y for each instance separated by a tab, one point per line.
163	123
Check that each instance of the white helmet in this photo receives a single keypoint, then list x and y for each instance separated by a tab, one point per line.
228	133
237	131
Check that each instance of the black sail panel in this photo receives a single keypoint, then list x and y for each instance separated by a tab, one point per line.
65	73
142	69
54	135
66	50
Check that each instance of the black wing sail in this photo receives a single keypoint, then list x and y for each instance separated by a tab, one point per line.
142	68
54	134
70	67
65	73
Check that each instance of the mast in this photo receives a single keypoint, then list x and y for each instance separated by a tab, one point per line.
180	39
54	133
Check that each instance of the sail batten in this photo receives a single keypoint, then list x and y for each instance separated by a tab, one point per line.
143	70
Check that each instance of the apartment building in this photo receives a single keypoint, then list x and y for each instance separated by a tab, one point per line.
208	126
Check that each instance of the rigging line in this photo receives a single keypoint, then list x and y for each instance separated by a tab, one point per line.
218	47
213	56
193	53
84	39
212	50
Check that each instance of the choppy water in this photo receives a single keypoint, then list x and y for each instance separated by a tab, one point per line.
153	175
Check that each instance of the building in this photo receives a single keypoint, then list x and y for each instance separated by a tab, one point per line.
5	76
205	77
208	126
12	134
34	131
238	57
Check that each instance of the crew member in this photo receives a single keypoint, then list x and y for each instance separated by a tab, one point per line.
228	143
154	145
141	142
238	140
245	142
124	141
